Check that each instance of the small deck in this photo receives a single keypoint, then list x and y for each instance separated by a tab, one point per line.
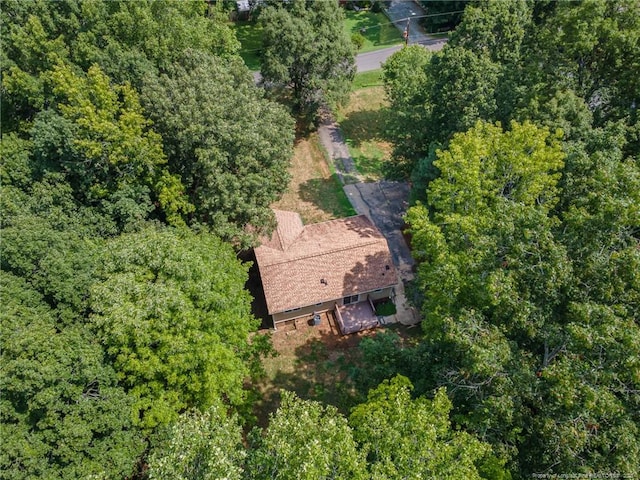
356	317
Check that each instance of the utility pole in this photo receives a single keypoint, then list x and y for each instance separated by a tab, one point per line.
406	32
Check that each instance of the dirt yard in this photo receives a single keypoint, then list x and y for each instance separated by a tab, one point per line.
315	362
314	191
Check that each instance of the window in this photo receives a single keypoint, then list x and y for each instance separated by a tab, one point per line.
350	299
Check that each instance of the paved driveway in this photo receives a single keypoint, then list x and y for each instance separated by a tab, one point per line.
385	203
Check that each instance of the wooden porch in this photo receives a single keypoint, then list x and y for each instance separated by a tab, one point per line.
356	317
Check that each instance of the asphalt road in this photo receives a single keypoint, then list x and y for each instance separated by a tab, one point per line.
373	60
364	61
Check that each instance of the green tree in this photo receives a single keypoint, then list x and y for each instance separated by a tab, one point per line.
494	28
406	83
463	92
592	48
62	412
439	22
434	96
48	238
98	137
171	311
517	297
413	438
306	48
307	441
129	40
230	146
198	445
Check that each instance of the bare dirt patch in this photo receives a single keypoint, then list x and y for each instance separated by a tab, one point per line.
315	362
312	361
314	190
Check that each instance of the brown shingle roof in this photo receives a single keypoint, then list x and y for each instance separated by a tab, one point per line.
349	254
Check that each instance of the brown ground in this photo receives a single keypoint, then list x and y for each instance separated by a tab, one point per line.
312	361
314	191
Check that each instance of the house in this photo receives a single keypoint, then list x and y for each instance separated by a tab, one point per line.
342	265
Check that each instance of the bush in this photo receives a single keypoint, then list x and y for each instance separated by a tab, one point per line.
385	309
377	6
358	40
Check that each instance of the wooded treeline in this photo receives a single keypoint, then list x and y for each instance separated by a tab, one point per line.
138	158
521	138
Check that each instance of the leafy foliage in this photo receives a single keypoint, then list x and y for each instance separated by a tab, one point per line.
171	310
198	445
507	61
230	146
514	308
99	138
305	47
412	438
101	350
305	440
63	414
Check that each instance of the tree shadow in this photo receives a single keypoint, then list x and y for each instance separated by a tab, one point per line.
371	273
254	286
327	367
364	125
322	367
327	195
369	26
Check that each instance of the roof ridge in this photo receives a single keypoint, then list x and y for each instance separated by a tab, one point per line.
285	246
335	250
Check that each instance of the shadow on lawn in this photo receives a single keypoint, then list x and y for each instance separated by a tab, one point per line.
322	367
375	28
364	125
326	194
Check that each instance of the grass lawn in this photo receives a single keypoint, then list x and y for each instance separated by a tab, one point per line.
314	191
379	32
363	124
249	35
372	78
316	362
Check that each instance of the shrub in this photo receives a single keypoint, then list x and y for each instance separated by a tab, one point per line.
358	40
385	309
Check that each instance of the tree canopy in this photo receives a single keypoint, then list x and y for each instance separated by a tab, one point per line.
115	321
412	438
138	158
306	48
305	440
230	146
518	285
171	310
198	445
63	413
521	61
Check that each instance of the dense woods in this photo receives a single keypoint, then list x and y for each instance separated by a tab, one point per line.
521	139
138	159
